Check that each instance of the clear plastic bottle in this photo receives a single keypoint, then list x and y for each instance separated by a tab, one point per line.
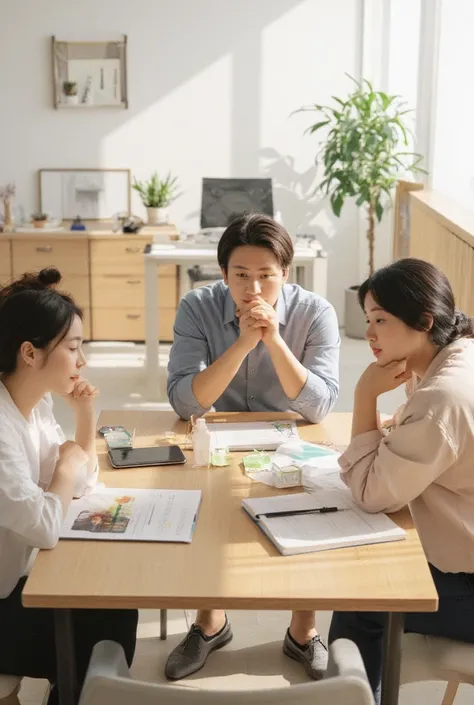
201	444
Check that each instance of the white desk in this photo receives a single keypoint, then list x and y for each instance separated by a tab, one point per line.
311	260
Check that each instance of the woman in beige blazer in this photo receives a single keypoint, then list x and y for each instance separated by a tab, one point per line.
426	460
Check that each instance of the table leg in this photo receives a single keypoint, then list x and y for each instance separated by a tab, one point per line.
163	624
151	329
392	653
65	657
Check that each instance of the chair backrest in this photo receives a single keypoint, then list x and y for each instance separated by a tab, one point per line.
9	686
224	199
427	658
108	683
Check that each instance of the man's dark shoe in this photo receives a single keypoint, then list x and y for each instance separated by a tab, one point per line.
313	656
191	654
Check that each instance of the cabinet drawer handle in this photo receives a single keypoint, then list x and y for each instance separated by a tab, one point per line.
46	248
132	249
133	316
133	281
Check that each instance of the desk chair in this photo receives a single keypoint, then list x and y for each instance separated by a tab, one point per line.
9	687
431	658
108	682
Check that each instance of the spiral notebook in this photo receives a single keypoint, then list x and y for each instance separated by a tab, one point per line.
307	533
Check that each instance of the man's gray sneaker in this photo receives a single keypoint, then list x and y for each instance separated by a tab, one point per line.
313	656
191	654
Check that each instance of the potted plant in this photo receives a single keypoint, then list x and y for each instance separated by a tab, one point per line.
362	158
157	195
70	91
39	219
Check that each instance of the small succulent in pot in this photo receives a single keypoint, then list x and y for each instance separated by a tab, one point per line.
39	219
70	88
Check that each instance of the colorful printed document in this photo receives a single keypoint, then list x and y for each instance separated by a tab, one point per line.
133	515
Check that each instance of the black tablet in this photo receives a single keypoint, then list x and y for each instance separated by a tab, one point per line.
141	457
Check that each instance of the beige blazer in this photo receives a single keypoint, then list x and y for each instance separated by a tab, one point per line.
426	460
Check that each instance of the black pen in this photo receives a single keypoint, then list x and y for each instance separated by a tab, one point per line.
297	512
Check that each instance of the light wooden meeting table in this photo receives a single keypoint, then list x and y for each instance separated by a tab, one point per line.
230	564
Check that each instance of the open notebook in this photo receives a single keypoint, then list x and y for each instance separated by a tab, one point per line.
256	435
319	532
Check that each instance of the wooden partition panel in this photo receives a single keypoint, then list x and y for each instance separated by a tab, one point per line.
442	232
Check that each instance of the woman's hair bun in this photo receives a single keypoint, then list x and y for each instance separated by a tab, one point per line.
463	326
49	276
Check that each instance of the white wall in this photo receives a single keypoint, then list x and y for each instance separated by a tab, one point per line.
453	158
211	87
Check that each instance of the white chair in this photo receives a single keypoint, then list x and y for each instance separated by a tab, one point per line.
9	687
108	682
431	658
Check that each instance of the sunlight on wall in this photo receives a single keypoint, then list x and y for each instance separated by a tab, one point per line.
453	163
190	127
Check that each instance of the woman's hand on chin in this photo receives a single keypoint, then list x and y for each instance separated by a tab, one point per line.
378	379
83	394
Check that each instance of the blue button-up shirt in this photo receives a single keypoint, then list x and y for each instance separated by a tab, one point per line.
206	326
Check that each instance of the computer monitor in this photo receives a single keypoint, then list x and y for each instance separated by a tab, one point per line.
225	199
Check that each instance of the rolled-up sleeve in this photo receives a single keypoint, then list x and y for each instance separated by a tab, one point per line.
25	509
321	359
189	355
385	473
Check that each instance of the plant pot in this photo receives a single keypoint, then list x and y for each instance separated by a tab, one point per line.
39	223
158	216
72	100
354	317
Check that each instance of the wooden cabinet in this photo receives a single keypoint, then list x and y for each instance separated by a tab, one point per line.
104	273
118	290
69	253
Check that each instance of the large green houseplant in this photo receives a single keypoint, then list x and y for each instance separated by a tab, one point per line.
157	195
364	154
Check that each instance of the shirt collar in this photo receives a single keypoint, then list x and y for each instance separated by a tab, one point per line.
448	351
230	308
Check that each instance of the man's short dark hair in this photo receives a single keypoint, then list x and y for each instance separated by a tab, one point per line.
257	230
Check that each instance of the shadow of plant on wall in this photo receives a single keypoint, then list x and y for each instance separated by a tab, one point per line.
295	197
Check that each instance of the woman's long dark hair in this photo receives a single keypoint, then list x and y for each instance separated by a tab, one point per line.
412	290
32	310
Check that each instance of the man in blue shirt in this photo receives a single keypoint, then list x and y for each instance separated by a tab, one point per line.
253	343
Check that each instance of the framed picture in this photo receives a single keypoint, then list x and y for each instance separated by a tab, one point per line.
91	194
401	229
90	74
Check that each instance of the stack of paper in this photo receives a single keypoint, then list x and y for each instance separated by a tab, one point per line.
257	435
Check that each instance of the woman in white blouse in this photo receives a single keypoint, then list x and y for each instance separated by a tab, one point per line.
40	472
426	460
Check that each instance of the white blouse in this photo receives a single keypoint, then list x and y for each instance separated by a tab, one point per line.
30	516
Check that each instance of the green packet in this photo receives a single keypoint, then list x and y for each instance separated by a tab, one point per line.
257	461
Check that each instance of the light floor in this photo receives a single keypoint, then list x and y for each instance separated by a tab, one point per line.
254	658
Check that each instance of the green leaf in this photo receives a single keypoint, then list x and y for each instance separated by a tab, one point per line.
317	126
337	202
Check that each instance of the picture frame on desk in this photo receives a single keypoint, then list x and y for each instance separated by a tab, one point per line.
92	194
